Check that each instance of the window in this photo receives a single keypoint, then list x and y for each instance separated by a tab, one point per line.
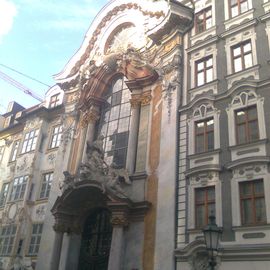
46	185
56	136
247	129
204	205
252	202
242	56
30	141
204	135
114	125
54	100
203	20
2	149
204	71
18	188
238	6
4	193
7	239
35	239
14	151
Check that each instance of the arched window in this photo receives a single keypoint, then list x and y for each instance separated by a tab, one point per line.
115	122
96	241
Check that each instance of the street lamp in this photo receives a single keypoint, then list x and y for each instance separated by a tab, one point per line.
211	236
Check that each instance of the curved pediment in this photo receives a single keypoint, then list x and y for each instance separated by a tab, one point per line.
121	26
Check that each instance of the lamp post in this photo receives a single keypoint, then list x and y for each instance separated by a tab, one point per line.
211	236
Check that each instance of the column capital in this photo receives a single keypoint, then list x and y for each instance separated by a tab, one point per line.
119	220
120	213
90	116
146	98
135	101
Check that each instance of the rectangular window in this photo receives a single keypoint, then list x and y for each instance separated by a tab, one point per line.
2	149
54	101
46	185
247	129
56	136
14	151
204	205
203	20
252	202
242	56
35	239
18	188
7	239
204	71
4	193
30	141
238	6
204	135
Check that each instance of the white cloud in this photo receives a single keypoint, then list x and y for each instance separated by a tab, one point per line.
7	13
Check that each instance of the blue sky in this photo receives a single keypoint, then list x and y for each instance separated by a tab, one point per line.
38	37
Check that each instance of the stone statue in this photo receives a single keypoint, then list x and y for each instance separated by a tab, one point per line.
96	169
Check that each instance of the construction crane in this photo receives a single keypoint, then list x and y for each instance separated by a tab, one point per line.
20	86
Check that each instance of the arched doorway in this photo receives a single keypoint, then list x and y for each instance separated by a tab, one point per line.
96	241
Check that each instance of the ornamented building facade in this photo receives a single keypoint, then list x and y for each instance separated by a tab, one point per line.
159	120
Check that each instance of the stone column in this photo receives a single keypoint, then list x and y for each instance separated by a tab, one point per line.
57	247
91	118
70	252
119	222
133	134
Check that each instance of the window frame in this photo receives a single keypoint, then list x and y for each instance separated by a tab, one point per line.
242	55
19	188
205	18
57	135
35	239
117	102
47	182
14	151
30	141
253	198
238	4
204	70
246	124
54	99
4	194
10	239
206	203
205	134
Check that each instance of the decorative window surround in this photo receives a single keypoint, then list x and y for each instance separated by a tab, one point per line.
204	159
204	111
209	88
242	100
259	234
200	180
229	21
231	41
243	74
203	53
267	27
242	151
211	32
241	174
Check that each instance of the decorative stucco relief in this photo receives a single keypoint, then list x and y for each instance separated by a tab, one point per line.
95	168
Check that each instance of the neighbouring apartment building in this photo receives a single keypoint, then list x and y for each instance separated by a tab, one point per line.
159	120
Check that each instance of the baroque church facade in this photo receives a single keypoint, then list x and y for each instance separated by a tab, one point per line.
158	121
